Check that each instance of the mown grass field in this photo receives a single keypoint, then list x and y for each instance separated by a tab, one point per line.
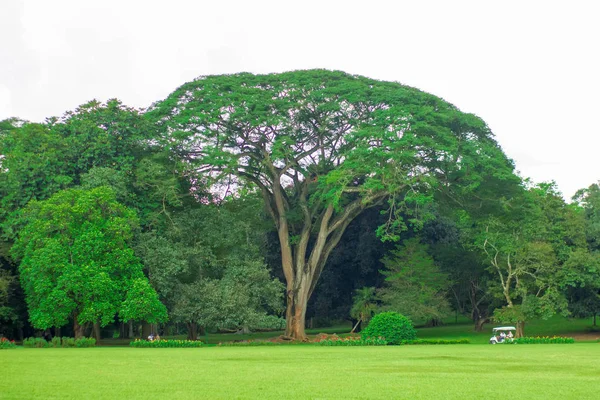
474	371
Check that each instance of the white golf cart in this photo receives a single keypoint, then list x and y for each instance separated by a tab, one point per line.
501	334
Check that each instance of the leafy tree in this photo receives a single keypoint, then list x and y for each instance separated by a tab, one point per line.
321	147
7	313
364	306
76	262
584	301
589	200
41	159
414	285
533	251
238	300
207	267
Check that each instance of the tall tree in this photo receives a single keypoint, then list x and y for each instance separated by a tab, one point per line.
534	252
322	147
76	262
414	285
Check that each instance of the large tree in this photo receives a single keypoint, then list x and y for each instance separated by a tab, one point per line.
322	147
206	265
76	262
535	250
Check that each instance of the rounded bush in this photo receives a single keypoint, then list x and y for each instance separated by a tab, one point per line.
391	326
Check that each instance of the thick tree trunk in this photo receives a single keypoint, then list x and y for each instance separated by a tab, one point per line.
297	300
78	329
245	330
96	332
56	331
479	324
146	330
520	329
192	329
296	316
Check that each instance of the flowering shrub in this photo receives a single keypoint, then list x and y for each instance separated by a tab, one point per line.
165	343
436	341
542	340
7	344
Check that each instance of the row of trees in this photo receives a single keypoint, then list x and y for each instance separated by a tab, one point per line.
535	258
198	208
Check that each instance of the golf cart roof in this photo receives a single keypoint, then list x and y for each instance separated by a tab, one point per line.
505	328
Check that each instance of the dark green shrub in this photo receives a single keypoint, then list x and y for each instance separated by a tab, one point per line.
35	342
542	340
85	342
68	342
55	342
391	326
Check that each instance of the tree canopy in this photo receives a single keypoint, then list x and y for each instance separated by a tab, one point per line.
321	147
76	262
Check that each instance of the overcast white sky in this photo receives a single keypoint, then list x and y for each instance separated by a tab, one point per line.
530	69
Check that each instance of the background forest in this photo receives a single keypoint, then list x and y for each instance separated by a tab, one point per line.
245	203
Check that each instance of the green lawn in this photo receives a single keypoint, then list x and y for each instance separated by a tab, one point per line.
305	372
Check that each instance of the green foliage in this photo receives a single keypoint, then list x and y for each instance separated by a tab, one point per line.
414	285
238	299
165	343
35	342
85	342
436	341
207	267
350	125
7	344
391	326
364	304
8	282
542	340
536	250
252	343
321	147
41	159
65	342
268	323
76	261
352	341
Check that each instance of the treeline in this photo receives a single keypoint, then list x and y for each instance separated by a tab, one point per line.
250	202
93	210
